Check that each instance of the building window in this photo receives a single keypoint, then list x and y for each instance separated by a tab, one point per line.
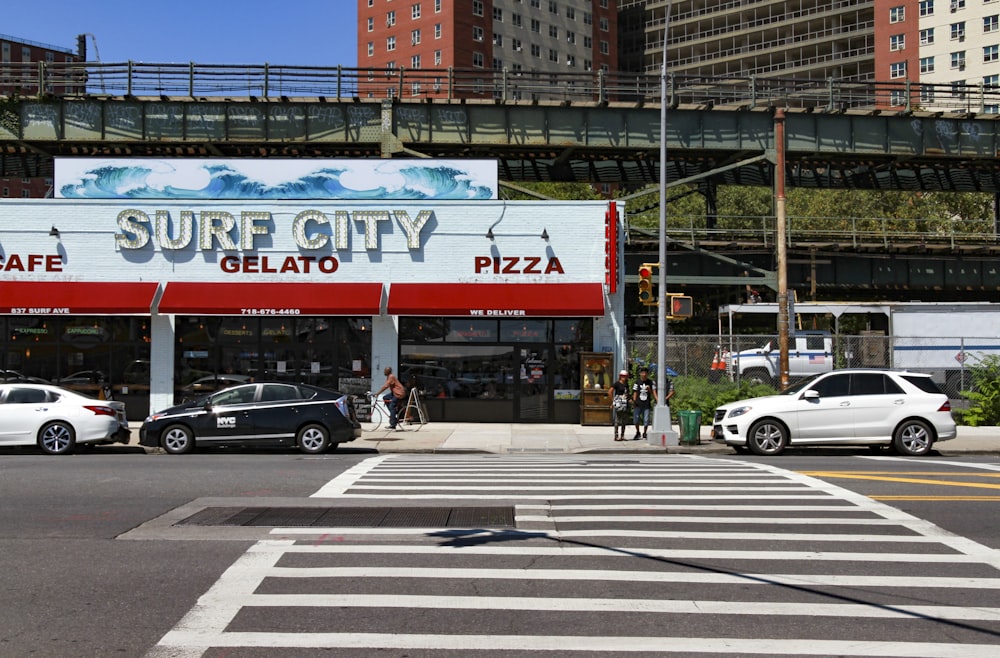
478	61
958	60
25	194
571	37
604	25
371	24
991	81
958	31
498	40
897	42
588	42
536	4
926	94
437	31
6	191
897	70
477	33
926	64
897	98
437	58
991	53
958	89
588	65
927	36
553	7
926	7
516	44
437	6
605	49
414	37
371	3
497	64
991	109
957	4
415	62
571	13
897	14
498	14
390	43
371	48
991	23
390	19
415	11
536	50
536	26
571	61
477	7
553	31
553	55
515	20
588	18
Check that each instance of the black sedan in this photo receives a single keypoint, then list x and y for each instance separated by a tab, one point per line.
313	419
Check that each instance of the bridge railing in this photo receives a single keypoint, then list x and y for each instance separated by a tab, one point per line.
270	81
825	232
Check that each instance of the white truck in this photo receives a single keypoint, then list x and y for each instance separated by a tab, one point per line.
809	353
943	339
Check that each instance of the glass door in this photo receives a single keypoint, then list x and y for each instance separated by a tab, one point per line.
533	399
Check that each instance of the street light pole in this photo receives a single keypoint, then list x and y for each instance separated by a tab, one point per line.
663	433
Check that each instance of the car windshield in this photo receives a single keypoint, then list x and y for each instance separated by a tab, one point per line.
799	387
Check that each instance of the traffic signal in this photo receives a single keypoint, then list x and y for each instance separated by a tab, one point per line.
646	296
681	306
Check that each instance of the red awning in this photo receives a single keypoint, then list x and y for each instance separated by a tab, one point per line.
76	297
271	298
499	300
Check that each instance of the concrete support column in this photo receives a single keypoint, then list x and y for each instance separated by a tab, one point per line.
161	362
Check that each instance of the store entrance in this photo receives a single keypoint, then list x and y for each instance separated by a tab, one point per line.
533	391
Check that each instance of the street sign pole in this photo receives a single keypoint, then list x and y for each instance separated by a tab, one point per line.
663	433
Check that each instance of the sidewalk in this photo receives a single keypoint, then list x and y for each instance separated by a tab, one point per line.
504	438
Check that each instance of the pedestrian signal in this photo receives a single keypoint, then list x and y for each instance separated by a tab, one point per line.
646	296
681	306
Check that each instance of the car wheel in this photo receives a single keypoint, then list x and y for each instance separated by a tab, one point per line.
57	438
913	438
177	440
758	376
313	439
767	437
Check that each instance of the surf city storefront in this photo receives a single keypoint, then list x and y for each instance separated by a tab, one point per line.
484	305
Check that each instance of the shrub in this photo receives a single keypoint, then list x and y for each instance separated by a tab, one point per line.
985	394
698	394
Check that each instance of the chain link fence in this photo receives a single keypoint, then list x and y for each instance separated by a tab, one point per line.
948	360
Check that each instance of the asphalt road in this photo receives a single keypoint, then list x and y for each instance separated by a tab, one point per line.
611	554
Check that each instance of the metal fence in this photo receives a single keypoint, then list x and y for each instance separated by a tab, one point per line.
267	80
948	360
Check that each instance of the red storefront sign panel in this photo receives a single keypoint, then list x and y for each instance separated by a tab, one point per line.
498	300
185	298
76	297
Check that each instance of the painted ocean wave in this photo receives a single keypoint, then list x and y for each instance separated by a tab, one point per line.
276	180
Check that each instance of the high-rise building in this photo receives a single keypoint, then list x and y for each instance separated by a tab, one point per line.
805	39
538	36
950	47
24	80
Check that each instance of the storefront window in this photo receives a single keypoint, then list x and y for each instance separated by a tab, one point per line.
525	331
456	371
215	352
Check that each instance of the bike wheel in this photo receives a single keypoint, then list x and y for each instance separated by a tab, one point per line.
376	417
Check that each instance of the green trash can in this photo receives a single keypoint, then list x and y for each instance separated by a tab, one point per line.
690	427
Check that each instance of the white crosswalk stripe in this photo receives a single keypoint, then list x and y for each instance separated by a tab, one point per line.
609	556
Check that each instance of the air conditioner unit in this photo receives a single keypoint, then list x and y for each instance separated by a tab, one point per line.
961	67
518	49
961	37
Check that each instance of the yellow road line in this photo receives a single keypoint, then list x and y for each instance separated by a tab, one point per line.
942	483
958	473
937	498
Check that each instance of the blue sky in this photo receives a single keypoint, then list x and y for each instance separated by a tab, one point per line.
291	33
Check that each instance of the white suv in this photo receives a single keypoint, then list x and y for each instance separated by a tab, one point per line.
875	407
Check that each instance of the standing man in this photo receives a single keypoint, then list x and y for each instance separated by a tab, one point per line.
618	393
643	397
396	393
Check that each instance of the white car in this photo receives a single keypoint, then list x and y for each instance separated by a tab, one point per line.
56	419
874	407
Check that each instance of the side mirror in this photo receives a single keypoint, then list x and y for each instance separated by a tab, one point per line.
811	394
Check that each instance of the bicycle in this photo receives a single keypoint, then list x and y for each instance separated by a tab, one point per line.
379	411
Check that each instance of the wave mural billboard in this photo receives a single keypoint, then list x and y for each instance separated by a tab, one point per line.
275	179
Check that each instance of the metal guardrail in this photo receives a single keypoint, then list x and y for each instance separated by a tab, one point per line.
844	232
270	81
